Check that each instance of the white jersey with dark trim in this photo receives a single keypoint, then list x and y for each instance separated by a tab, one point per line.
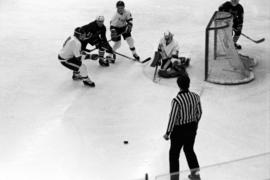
169	49
121	20
71	48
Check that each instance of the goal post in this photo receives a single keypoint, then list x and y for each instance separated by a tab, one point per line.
223	64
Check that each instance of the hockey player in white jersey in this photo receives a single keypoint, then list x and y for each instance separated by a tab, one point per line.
168	48
121	25
70	56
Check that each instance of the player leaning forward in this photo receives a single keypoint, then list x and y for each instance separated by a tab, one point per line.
96	32
70	56
121	24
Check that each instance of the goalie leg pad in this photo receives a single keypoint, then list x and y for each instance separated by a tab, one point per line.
176	70
156	59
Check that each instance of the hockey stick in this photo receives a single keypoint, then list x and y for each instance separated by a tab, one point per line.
144	61
256	41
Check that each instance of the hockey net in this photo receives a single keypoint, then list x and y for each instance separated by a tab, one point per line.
223	64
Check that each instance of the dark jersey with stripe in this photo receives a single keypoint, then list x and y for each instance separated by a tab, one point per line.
236	11
97	34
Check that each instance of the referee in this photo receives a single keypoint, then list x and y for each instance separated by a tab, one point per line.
182	127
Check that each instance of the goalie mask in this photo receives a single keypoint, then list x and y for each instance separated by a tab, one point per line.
168	36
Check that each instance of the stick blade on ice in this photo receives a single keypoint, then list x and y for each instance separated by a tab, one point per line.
147	59
260	40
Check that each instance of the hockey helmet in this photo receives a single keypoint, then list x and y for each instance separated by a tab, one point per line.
79	33
120	3
100	18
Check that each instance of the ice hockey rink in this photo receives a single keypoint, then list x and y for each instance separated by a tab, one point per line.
52	128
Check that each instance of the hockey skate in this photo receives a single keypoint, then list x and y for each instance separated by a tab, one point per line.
136	57
76	76
111	58
103	62
237	46
88	82
194	177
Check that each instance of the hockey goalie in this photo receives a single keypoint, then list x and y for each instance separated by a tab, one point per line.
167	57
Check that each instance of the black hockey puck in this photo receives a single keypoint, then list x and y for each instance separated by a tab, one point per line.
125	142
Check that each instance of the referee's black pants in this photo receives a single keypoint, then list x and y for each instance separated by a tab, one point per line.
183	136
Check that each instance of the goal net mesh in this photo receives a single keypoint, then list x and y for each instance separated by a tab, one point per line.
223	64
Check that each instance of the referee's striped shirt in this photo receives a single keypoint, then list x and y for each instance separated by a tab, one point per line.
186	108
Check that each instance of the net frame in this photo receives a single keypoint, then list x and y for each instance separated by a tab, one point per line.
223	65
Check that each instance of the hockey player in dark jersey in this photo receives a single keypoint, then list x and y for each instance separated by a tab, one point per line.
237	12
96	33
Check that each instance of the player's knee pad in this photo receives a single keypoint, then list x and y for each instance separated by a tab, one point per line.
126	35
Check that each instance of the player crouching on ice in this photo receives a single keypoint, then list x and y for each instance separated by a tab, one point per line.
70	56
167	56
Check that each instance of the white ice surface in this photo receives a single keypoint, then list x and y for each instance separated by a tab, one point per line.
52	128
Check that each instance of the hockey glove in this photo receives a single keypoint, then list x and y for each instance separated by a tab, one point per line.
114	35
129	28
